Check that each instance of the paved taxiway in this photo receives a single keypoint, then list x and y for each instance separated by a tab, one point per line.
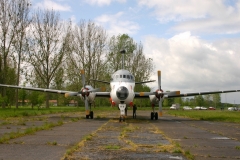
201	139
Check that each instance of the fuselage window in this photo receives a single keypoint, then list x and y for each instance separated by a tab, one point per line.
132	77
120	76
124	76
128	77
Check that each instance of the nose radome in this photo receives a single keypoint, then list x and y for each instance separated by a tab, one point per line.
122	93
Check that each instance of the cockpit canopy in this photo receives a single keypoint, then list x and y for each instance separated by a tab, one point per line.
123	75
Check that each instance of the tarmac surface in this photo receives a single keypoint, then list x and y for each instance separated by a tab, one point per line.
105	138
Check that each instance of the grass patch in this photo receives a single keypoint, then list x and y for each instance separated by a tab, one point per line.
189	155
208	115
54	143
27	111
12	135
237	147
112	147
88	137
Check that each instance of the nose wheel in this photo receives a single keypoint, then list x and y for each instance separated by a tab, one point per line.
121	119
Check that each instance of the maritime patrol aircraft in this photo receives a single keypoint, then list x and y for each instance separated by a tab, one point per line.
122	92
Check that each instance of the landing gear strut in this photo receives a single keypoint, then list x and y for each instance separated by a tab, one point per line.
89	114
122	108
154	115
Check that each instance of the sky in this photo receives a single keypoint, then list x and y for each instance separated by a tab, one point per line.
194	43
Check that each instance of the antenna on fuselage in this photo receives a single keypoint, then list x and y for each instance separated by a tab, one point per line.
122	52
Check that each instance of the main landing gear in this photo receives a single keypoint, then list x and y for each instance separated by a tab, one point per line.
90	115
154	115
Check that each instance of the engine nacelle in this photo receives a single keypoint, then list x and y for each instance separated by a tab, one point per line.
154	99
86	93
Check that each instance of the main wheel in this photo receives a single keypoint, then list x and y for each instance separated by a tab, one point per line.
91	114
152	115
87	116
156	116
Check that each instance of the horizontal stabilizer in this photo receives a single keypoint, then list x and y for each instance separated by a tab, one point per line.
100	81
144	82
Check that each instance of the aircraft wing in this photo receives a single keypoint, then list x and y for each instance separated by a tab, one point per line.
173	94
67	93
201	93
103	94
37	89
147	94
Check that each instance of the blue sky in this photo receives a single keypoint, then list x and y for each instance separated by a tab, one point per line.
194	43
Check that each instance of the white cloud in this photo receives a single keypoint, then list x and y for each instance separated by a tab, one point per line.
103	2
116	24
49	4
204	16
190	64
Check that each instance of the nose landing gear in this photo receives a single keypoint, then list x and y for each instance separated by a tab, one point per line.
122	112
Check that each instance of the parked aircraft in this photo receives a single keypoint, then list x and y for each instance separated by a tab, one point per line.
122	92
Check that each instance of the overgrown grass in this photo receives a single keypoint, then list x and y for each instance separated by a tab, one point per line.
208	115
112	147
8	136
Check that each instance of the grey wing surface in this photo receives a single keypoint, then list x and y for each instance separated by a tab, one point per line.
201	93
36	89
98	94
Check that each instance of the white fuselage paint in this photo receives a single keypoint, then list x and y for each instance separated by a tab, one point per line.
129	85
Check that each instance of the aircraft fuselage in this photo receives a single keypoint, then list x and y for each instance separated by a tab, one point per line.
122	88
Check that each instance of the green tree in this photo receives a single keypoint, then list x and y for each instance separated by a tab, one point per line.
20	39
199	100
216	99
47	48
8	31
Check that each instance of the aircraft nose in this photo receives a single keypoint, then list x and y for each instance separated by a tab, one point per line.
122	93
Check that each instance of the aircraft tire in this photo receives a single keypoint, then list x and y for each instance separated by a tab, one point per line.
120	119
87	116
152	115
91	114
156	116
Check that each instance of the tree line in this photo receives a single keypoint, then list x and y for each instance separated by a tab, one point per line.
40	49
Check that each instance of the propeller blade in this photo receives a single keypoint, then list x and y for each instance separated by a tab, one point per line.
159	80
71	94
83	77
160	107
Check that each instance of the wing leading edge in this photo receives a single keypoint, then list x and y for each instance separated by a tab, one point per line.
178	94
99	94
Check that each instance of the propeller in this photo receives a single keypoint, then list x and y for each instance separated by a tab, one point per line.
160	94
